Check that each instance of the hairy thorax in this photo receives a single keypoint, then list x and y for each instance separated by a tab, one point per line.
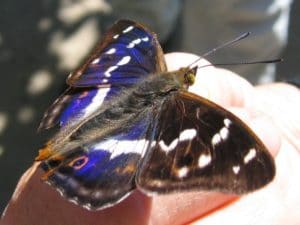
125	109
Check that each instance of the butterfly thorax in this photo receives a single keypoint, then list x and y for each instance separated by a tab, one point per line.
148	95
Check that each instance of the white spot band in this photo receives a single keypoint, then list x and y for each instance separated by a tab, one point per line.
250	155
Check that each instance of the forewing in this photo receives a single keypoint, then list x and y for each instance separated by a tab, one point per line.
76	104
128	52
101	173
199	145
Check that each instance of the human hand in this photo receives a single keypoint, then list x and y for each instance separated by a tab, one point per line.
36	203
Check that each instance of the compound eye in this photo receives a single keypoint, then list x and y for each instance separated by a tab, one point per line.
189	78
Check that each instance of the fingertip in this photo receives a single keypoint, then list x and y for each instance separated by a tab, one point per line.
182	208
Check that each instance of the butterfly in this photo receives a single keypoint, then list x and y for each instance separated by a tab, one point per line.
126	123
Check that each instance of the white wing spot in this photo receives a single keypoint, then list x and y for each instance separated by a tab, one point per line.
110	51
104	80
119	147
96	61
107	73
145	39
137	41
169	147
236	169
60	190
221	136
153	143
127	29
116	36
182	172
96	101
224	133
250	155
204	160
216	139
187	134
227	122
124	60
134	42
198	113
87	206
97	194
74	200
130	45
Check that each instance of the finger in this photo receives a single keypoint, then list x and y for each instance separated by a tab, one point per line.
219	85
259	208
281	102
181	208
35	202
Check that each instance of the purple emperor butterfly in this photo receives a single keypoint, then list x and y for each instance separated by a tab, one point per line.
127	123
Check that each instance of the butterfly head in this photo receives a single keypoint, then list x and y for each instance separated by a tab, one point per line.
190	76
187	76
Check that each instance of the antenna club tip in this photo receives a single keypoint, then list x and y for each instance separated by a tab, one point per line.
276	60
244	35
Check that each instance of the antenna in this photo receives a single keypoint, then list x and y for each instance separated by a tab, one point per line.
241	37
244	63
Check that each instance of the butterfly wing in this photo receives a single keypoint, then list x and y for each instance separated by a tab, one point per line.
76	104
127	53
73	105
101	173
199	145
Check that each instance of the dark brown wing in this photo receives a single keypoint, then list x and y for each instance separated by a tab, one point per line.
199	145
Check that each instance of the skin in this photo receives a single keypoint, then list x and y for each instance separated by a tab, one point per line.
270	110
